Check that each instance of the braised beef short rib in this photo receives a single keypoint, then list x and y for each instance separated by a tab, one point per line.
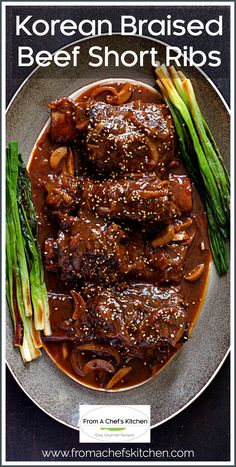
139	198
133	314
134	137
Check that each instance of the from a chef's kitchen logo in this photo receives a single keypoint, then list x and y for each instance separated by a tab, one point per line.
115	423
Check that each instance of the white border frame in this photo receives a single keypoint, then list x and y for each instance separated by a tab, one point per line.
3	95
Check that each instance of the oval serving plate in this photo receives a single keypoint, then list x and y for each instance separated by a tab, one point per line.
191	370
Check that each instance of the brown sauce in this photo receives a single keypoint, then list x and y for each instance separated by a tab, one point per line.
61	304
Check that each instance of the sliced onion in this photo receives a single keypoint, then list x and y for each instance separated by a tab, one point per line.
98	364
153	150
103	348
99	127
118	376
50	186
102	89
146	194
62	194
76	362
79	304
123	95
64	350
70	164
57	338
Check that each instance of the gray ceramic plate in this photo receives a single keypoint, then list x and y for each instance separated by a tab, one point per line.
186	376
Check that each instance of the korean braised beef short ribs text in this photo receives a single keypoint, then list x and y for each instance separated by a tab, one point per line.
124	235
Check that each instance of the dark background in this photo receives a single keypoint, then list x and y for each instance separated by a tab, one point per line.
204	426
220	75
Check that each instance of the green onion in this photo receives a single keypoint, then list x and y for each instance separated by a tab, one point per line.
213	159
201	157
12	186
25	286
29	225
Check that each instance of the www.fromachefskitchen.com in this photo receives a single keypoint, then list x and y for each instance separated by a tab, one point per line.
110	454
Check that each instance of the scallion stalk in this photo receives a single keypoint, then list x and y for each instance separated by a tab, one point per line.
201	157
26	290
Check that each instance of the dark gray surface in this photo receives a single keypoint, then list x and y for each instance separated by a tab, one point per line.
220	75
203	427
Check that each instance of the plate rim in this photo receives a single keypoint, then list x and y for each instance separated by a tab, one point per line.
76	428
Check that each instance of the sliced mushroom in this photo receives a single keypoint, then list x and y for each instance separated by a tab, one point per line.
79	304
118	376
183	225
103	349
165	236
57	155
180	236
98	364
195	273
63	153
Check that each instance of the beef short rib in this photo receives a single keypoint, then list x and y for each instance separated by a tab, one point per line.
140	198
